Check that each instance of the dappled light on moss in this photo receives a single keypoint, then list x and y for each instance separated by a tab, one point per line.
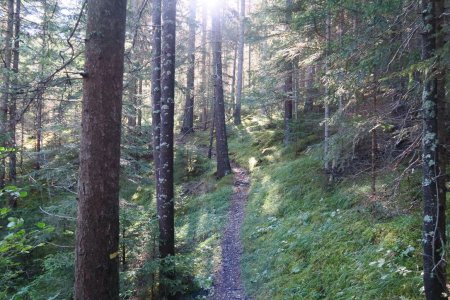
305	239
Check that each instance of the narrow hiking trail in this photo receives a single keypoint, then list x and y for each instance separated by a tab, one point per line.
227	282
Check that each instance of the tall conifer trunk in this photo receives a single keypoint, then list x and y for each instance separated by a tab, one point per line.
97	237
326	131
288	86
165	204
188	120
6	66
223	162
203	70
15	91
240	68
156	88
434	239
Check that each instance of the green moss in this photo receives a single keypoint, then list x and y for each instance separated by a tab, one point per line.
304	239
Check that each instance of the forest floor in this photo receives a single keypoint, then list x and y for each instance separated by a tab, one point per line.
227	281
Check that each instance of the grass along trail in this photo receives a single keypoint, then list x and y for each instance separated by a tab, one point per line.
227	282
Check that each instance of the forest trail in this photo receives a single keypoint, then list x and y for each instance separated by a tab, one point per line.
227	282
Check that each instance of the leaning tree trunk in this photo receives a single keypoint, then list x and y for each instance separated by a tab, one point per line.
97	238
6	62
223	162
165	204
434	239
240	72
15	91
188	120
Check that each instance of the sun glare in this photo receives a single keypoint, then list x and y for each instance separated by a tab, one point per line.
212	3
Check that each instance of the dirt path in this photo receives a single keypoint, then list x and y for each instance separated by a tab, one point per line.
227	281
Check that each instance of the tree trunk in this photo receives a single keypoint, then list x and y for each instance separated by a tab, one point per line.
326	130
223	162
38	125
204	85
139	109
15	91
240	72
249	72
4	138
166	193
288	85
309	82
40	94
434	239
156	88
133	89
97	238
188	120
233	78
211	132
295	91
374	151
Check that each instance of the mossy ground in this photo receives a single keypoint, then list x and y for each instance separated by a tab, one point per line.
303	237
307	239
201	208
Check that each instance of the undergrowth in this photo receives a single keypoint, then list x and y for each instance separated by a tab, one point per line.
201	206
307	239
37	257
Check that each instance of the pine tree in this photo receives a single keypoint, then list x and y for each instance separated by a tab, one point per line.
166	185
188	120
97	236
240	63
223	162
434	238
14	93
156	88
6	65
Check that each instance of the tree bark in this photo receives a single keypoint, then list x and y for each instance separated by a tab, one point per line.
40	94
139	109
233	78
188	120
156	88
374	151
97	238
39	104
211	132
288	85
309	83
249	71
15	91
4	138
166	193
223	162
434	239
326	130
288	107
204	84
240	72
133	90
